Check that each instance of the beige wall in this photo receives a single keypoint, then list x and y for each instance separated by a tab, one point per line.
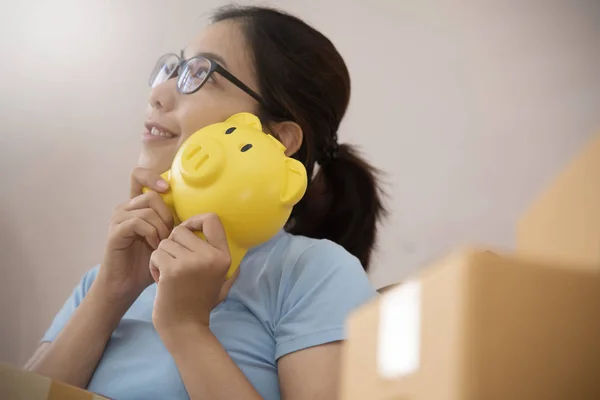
469	107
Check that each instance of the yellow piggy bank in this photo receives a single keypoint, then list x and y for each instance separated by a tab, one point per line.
241	174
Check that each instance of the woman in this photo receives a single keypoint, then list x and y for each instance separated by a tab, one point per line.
274	329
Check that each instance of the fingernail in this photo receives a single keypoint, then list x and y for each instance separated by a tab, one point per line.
162	184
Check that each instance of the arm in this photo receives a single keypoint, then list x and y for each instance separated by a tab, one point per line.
311	373
190	274
326	285
37	355
205	367
84	325
72	357
209	373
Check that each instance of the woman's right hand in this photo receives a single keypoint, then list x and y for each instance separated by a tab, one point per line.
135	231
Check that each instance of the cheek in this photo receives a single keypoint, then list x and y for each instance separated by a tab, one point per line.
196	118
209	107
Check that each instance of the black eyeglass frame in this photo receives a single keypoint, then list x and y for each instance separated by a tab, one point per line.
213	67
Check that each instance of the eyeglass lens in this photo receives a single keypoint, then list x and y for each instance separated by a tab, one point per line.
195	72
164	69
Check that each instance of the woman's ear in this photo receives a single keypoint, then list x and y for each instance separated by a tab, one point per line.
290	134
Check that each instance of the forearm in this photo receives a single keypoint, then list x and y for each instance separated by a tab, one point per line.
205	367
73	356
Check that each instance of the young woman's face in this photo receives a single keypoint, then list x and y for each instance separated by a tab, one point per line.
181	115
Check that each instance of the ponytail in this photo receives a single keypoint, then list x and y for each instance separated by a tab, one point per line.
343	203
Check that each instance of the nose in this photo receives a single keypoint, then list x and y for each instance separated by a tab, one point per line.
163	96
201	162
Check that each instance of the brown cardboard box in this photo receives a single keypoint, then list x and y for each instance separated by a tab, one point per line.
16	384
564	222
387	288
479	326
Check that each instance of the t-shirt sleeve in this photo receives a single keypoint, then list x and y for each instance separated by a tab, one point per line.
323	287
70	305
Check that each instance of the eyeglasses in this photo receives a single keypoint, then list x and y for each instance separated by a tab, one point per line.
193	74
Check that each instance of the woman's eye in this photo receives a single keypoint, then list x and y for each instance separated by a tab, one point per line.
201	73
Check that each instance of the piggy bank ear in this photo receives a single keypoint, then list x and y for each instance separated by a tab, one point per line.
245	119
295	183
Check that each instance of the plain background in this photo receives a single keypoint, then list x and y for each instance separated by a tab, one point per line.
470	108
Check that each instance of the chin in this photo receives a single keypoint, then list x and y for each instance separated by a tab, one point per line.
157	163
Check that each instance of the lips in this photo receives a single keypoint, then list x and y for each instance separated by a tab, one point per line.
156	131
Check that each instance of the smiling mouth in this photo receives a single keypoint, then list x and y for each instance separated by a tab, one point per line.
157	132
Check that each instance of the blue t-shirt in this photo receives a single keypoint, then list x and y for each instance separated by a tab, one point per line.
291	293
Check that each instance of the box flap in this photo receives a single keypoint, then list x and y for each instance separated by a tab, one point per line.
17	384
564	221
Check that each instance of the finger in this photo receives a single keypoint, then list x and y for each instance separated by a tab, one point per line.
138	227
188	239
154	201
155	272
159	260
143	177
152	217
173	248
212	228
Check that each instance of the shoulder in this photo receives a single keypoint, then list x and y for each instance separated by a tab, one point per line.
318	259
321	251
292	257
290	269
303	288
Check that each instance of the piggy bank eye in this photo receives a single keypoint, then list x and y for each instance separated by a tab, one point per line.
230	130
246	148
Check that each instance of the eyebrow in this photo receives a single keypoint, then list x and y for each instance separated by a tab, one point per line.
209	55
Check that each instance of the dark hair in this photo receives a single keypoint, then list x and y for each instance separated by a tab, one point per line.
303	78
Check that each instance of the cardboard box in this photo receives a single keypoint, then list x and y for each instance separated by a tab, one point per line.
16	384
564	222
387	288
479	326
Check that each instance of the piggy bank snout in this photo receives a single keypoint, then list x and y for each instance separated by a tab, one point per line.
202	162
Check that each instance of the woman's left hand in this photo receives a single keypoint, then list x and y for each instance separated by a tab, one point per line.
190	273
